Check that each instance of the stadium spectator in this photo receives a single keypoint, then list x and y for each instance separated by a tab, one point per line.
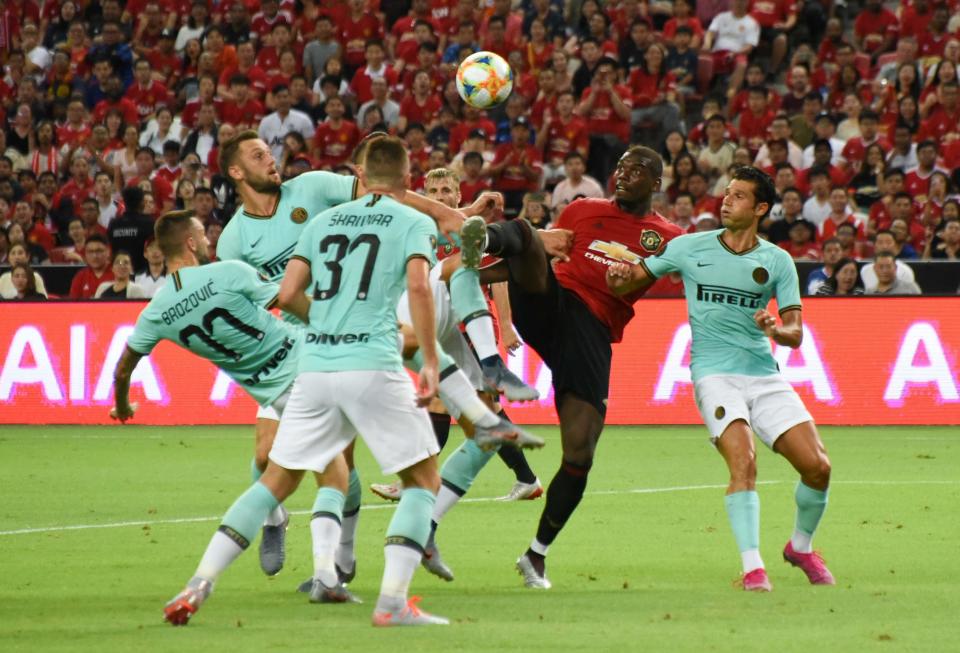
917	181
866	184
655	112
562	134
875	29
392	114
284	119
948	246
536	210
17	236
801	241
86	281
23	284
320	49
516	168
606	106
335	137
17	255
839	214
131	231
731	38
886	280
73	251
832	254
843	280
120	287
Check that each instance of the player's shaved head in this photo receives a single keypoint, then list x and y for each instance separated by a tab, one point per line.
230	149
173	229
651	160
360	151
385	163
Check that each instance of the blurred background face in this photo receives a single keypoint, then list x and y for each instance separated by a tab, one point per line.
847	277
122	267
96	255
20	279
886	270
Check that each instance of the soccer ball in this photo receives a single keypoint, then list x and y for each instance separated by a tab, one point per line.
484	80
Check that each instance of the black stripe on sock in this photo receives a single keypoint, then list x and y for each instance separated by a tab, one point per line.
400	540
323	514
453	488
475	315
351	513
239	539
447	372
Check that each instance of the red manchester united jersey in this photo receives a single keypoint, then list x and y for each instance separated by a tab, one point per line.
603	234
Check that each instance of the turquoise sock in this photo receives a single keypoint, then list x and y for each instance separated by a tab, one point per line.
329	501
255	473
463	465
466	295
247	513
354	493
411	521
743	510
443	358
811	505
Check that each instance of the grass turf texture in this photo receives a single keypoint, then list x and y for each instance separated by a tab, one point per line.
647	562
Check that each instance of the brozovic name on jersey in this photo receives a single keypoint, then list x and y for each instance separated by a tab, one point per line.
188	303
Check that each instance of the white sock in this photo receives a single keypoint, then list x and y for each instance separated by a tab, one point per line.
326	535
458	393
446	499
277	517
220	554
345	557
481	334
751	560
539	547
802	542
401	563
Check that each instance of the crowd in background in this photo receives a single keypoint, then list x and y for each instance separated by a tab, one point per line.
112	113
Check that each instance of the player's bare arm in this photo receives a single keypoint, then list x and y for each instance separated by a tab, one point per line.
557	243
424	326
292	297
623	278
789	333
122	410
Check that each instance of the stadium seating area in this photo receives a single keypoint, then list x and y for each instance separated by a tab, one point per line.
112	113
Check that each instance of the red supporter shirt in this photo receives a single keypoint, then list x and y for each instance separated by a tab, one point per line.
918	185
648	89
354	36
149	99
363	82
85	282
261	25
939	123
670	27
256	75
170	175
699	133
770	12
75	192
334	145
603	119
469	190
931	45
248	113
169	65
512	177
604	234
67	135
855	148
460	131
753	128
880	216
828	229
423	113
809	251
192	108
562	139
913	23
129	110
873	28
162	189
544	107
739	104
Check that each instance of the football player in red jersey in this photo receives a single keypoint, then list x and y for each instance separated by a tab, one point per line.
567	314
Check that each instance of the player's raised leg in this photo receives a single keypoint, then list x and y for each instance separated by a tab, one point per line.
234	535
742	502
516	241
802	447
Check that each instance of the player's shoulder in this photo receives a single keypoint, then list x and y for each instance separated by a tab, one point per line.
774	252
588	207
665	226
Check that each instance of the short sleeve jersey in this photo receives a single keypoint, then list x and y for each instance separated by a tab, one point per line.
267	241
219	312
724	289
358	253
603	234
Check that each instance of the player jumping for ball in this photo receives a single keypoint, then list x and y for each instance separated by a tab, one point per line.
729	278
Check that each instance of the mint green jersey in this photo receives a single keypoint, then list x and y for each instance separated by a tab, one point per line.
724	289
267	241
219	312
358	254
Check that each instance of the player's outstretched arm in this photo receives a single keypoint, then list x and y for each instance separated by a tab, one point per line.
623	278
122	410
789	334
422	313
291	298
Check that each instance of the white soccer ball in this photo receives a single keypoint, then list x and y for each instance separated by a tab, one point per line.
484	80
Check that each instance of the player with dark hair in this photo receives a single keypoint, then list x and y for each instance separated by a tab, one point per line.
567	314
729	277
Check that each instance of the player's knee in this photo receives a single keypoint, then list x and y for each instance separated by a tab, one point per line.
818	477
744	471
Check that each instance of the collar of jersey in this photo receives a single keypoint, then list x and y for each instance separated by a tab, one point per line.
257	216
736	253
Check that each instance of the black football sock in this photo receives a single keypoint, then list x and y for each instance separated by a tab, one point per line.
506	239
563	496
441	427
515	460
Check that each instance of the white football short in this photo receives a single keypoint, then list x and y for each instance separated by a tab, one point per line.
449	336
326	410
768	404
274	410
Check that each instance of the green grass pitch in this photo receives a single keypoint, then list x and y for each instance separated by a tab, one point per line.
116	519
